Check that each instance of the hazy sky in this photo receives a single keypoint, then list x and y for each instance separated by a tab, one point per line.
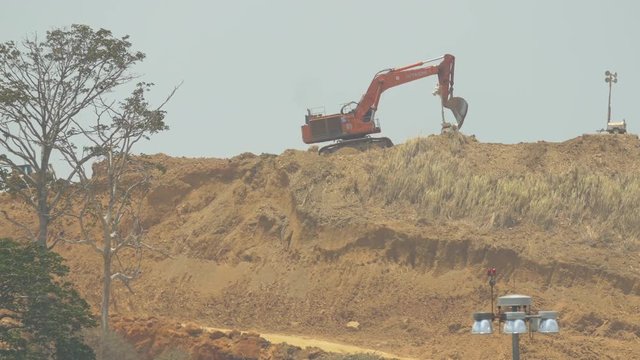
530	70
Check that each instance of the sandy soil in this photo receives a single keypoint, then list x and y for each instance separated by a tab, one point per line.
303	244
324	345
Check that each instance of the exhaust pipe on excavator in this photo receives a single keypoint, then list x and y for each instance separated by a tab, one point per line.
459	108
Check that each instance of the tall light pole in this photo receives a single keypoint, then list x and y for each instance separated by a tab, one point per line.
610	78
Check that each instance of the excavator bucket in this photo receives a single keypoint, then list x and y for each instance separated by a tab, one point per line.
458	107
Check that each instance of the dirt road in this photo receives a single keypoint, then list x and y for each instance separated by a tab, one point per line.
325	345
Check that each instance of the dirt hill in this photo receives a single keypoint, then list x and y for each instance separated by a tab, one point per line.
397	240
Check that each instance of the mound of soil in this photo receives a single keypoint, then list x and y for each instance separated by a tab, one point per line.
153	337
304	244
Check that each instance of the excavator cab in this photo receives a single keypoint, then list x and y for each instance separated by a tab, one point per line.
459	108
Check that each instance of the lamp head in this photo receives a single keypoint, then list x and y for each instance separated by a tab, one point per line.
515	323
548	322
482	323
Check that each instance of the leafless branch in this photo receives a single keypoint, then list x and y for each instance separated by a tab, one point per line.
173	92
126	279
87	241
25	228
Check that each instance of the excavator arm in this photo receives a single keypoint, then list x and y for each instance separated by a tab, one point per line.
389	78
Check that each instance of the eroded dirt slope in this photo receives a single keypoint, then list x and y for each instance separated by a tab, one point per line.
398	240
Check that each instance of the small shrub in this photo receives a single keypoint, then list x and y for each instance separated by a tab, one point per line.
173	354
113	347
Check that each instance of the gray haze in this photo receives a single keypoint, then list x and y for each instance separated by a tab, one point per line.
530	70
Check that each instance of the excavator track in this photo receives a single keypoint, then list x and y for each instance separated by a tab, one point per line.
361	144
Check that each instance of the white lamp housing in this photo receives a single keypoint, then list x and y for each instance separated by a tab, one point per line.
514	323
482	323
548	322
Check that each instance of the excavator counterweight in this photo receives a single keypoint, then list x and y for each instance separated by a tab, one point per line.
356	121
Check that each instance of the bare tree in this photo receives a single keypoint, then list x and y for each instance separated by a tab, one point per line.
109	215
45	88
53	98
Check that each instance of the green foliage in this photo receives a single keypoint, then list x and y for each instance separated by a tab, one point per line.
43	313
73	348
137	117
77	61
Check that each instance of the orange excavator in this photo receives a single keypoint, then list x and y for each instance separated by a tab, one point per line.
355	122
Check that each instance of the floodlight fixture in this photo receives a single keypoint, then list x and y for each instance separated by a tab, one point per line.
482	323
548	322
514	323
516	312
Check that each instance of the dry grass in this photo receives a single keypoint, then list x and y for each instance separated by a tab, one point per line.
442	185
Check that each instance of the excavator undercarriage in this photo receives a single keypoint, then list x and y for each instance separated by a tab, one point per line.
361	144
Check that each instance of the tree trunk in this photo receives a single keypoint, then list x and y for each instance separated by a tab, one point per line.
106	289
43	220
106	294
43	197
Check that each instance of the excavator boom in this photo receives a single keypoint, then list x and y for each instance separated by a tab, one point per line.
357	121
